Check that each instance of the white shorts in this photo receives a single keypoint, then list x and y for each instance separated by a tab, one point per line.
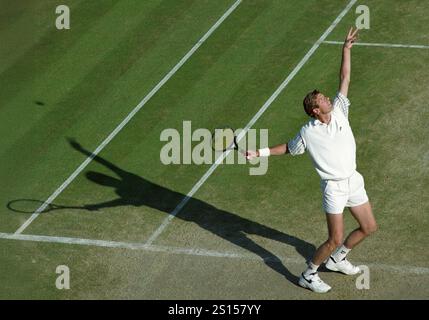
338	194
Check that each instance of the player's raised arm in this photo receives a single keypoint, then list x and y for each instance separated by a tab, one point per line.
346	61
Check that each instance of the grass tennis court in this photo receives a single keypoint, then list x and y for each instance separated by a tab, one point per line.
62	92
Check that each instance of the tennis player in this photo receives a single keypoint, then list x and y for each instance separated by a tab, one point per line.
329	140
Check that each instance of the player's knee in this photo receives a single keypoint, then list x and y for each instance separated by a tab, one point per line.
335	241
370	228
374	228
338	241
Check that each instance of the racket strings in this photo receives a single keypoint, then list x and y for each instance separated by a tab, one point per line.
223	139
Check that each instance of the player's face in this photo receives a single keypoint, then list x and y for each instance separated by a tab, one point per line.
324	103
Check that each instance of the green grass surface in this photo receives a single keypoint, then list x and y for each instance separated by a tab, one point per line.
82	82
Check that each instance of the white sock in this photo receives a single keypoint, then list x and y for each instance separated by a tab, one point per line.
312	268
341	253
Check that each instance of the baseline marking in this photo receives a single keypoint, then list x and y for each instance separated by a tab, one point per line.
185	200
402	269
384	45
127	119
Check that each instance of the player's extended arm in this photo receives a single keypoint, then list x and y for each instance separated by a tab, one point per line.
107	204
97	158
346	62
277	150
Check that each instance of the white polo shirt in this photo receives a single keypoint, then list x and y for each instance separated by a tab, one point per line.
332	146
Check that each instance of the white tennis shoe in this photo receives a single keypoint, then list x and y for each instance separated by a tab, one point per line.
343	266
314	283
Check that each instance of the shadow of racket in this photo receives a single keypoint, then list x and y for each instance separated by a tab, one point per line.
31	206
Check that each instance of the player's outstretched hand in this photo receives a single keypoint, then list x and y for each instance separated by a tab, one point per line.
351	38
250	154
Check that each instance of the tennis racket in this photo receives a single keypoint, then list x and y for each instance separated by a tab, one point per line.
30	206
224	139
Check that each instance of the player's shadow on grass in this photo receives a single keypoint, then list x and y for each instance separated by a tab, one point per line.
137	191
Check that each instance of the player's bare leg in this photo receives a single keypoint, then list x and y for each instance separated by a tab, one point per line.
335	239
367	225
309	278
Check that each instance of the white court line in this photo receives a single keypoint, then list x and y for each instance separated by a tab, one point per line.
185	200
385	45
401	269
127	119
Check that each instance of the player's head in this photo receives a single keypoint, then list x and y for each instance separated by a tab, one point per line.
315	103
